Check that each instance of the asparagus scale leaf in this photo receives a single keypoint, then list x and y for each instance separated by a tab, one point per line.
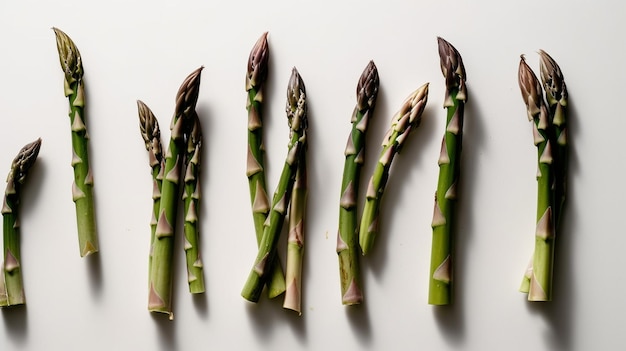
297	119
539	284
255	86
440	283
347	235
11	282
82	187
403	122
161	275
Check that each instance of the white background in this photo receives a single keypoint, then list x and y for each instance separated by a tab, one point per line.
144	49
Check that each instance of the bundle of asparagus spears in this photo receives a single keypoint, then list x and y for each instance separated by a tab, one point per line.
289	200
11	281
546	104
181	157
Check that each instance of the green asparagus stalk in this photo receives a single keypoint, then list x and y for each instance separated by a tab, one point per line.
255	87
295	242
191	198
82	188
347	235
13	287
403	122
151	133
556	98
297	119
163	249
540	284
440	287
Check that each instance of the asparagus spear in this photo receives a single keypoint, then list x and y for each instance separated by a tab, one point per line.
440	287
403	122
151	133
191	198
163	249
255	87
13	288
556	97
82	188
295	242
540	284
297	119
347	240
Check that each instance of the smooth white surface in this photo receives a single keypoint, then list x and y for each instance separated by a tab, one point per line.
144	49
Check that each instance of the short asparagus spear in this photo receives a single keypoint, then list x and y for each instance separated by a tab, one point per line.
347	235
13	292
440	287
297	119
191	199
540	284
161	275
295	242
403	122
255	87
151	133
82	188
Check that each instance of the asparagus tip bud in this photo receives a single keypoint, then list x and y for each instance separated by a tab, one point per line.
367	88
257	62
296	102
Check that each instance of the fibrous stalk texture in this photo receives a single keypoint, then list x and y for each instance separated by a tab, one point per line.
441	259
347	235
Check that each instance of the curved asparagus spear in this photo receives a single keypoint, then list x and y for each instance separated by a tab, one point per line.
295	242
540	284
82	188
403	122
440	287
255	170
347	235
191	198
297	118
161	275
151	134
13	291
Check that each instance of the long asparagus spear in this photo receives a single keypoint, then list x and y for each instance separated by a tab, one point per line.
347	235
163	249
82	188
556	98
295	242
191	198
403	122
255	87
540	284
297	119
13	292
151	133
440	287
